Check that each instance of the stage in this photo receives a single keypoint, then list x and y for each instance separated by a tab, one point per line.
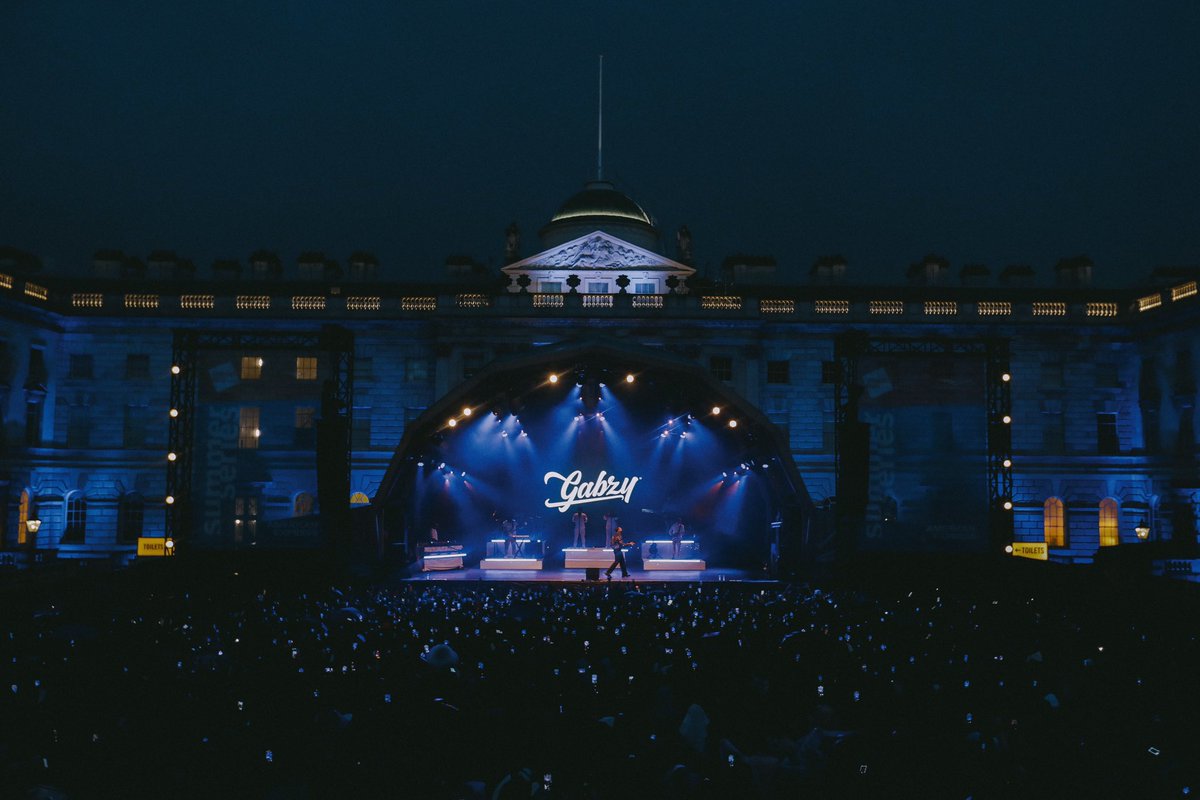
639	576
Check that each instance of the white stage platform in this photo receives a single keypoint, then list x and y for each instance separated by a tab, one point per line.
673	564
512	563
587	557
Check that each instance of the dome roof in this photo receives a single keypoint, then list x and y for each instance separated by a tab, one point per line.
600	199
600	207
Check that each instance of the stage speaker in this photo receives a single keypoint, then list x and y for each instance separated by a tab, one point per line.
593	573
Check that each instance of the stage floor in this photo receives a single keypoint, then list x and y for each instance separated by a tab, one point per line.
711	575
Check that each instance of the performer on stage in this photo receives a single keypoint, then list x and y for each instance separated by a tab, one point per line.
618	543
580	520
676	532
433	534
509	528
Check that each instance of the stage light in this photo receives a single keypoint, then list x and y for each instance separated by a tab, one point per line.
1006	377
724	474
629	378
504	433
453	422
442	465
174	412
683	435
171	456
733	423
420	463
664	434
553	378
1008	505
524	433
1008	549
169	499
716	410
766	466
466	411
1006	419
1007	463
175	369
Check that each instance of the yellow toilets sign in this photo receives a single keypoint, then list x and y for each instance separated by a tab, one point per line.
1039	551
152	547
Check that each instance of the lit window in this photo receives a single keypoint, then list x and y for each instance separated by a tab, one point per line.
248	432
359	499
22	518
550	287
645	288
1108	523
597	287
306	368
1052	523
251	368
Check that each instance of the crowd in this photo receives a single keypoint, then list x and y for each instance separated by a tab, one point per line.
240	686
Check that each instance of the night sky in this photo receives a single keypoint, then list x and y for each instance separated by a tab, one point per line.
993	132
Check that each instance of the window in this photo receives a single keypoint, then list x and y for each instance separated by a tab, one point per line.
37	366
645	288
81	366
360	429
302	505
778	372
721	367
359	499
251	368
33	422
306	368
245	520
79	427
248	430
416	370
364	368
597	287
1109	531
1107	376
1052	375
306	426
1054	440
1107	441
550	287
1052	523
131	514
76	529
137	366
23	517
136	419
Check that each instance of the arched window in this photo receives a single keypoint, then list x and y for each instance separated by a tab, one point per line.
1109	534
76	529
359	499
1052	523
302	506
22	518
131	514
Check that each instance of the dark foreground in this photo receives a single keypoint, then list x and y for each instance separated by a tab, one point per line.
1014	680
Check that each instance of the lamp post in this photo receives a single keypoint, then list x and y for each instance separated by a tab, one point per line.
33	526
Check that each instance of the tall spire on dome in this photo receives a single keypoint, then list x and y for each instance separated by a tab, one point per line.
600	126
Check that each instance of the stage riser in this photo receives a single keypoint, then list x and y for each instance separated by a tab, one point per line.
673	565
511	563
